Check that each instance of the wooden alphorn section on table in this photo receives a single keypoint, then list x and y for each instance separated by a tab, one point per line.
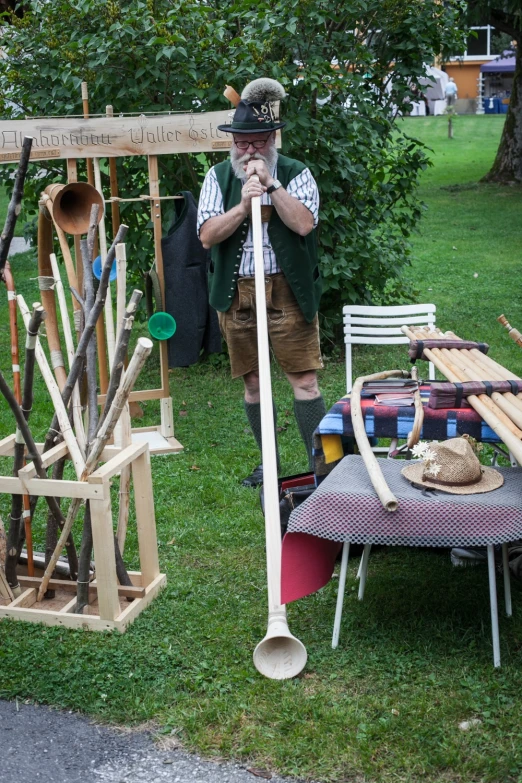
444	361
385	495
505	405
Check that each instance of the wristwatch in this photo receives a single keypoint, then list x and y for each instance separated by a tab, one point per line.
274	186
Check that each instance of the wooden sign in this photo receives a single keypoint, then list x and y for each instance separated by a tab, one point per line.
103	137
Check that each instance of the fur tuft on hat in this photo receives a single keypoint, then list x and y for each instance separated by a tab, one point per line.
262	90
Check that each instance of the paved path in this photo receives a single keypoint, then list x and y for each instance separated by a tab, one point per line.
40	744
18	245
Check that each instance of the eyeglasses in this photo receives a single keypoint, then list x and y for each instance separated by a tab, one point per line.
244	145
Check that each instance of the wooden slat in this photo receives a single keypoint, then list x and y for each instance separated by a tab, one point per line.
103	544
136	607
7	446
138	396
52	488
67	620
126	591
26	599
145	520
118	462
364	340
370	310
421	320
374	330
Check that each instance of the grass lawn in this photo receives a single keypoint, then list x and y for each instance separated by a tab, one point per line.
415	657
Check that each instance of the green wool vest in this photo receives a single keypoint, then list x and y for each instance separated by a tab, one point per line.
296	255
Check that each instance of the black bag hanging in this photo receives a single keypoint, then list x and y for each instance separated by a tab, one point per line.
185	265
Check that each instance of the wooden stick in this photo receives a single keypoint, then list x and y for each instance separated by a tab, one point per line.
513	333
69	345
279	655
504	433
167	425
15	359
32	449
85	102
418	421
385	495
45	283
15	531
5	590
58	403
109	317
141	352
485	374
90	325
121	351
15	204
125	420
72	176
13	329
72	277
113	177
100	328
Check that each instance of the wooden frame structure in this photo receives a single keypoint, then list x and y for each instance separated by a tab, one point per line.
111	606
166	443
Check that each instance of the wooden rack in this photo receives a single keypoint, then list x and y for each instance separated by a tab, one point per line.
111	606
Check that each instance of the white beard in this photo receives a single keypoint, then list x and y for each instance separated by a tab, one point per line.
237	160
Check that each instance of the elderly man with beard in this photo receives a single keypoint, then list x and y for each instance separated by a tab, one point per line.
290	206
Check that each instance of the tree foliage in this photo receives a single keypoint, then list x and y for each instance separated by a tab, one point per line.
347	68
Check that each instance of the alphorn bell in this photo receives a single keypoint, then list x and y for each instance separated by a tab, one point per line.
72	205
279	655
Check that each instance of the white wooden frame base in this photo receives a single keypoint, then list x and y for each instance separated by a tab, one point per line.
114	611
26	608
167	445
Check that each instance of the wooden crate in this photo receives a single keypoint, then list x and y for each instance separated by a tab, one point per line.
109	606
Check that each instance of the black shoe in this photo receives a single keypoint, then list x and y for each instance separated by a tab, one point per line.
255	478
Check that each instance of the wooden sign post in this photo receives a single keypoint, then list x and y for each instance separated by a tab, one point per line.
108	136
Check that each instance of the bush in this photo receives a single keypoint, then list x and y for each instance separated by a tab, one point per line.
347	69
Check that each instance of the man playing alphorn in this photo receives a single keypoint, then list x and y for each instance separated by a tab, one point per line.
290	206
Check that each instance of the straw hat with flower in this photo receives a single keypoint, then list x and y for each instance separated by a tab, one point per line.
452	466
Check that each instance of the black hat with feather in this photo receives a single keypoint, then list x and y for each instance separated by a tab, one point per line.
254	112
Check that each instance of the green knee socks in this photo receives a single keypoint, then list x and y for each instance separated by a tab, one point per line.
308	414
253	413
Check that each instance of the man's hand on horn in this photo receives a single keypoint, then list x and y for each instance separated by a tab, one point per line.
249	191
257	166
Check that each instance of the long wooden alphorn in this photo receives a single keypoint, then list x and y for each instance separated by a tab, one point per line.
279	655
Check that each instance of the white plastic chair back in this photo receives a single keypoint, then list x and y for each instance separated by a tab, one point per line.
373	325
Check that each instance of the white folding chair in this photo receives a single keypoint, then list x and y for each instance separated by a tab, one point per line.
376	325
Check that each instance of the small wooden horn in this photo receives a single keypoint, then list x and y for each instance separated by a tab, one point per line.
72	205
231	95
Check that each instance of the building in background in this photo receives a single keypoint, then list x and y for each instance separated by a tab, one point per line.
484	45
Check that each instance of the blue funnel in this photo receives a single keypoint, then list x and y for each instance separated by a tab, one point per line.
97	269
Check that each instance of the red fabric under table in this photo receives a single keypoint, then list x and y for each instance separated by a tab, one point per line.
345	508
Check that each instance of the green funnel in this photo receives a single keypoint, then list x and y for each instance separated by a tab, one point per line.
162	326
